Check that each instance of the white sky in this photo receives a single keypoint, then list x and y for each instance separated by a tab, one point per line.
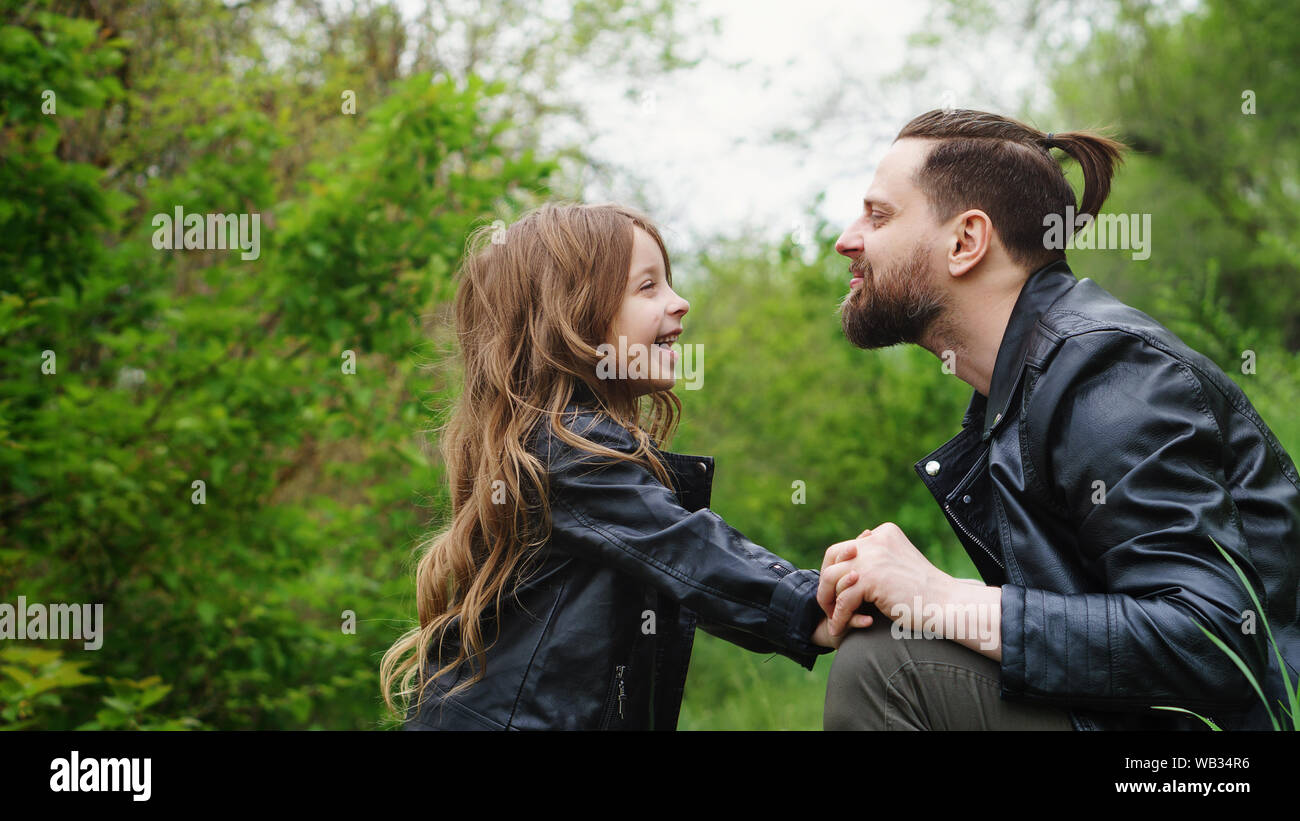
701	139
696	151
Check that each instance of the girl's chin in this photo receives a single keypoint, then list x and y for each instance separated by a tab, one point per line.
645	387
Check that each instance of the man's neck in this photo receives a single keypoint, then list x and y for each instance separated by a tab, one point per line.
970	332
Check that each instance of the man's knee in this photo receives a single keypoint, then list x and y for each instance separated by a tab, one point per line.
868	650
879	682
860	671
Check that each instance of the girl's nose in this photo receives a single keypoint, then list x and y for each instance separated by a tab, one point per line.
680	306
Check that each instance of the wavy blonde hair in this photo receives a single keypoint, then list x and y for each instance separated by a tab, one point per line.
532	306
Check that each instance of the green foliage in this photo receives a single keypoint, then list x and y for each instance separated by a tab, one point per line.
384	225
1206	99
169	368
52	69
34	681
731	688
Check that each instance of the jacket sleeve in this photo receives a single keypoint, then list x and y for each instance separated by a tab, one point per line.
618	514
1133	423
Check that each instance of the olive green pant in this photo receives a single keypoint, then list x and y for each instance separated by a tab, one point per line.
878	682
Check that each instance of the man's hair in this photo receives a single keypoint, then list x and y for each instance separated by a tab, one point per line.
1005	169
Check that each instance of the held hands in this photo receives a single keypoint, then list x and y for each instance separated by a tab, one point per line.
882	567
822	636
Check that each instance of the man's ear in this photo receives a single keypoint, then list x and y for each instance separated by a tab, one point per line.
972	235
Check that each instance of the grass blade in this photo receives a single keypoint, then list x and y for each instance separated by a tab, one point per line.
1293	694
1213	726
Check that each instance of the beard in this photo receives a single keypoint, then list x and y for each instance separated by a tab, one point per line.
892	306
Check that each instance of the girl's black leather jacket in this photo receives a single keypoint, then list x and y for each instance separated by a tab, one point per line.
600	637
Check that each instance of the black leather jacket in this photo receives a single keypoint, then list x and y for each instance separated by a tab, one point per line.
1089	485
601	635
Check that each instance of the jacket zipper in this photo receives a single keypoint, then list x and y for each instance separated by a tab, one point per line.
953	517
621	695
616	686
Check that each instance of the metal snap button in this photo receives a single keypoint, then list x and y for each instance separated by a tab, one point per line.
965	499
932	468
703	467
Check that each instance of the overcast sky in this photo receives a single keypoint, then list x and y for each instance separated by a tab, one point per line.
703	140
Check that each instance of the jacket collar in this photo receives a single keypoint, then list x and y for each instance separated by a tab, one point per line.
1043	287
692	475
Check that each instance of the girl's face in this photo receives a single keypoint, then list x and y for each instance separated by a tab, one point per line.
648	322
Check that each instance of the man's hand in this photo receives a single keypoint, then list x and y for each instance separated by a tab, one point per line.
889	571
883	567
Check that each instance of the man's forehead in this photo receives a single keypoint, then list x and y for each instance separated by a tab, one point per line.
892	182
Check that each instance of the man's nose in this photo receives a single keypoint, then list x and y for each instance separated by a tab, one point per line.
849	244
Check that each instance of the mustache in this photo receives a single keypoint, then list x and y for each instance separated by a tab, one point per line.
860	267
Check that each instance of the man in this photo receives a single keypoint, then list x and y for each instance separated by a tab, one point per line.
1099	462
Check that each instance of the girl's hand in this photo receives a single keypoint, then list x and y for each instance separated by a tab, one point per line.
822	637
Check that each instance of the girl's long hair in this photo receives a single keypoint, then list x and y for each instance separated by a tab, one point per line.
533	304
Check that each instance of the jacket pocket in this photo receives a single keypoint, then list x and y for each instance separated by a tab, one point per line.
615	712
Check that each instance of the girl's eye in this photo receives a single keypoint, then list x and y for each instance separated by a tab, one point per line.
647	285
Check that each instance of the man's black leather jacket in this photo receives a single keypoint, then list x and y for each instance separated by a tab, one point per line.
1089	485
600	637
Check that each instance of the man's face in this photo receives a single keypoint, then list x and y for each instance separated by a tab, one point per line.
896	291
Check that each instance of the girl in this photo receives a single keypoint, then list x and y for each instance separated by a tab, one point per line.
562	499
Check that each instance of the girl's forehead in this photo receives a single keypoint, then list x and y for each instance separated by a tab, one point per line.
645	251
